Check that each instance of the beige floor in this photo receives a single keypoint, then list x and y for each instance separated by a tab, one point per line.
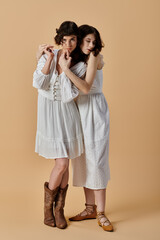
22	218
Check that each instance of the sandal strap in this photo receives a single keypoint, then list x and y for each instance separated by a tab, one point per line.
101	215
81	213
88	210
90	205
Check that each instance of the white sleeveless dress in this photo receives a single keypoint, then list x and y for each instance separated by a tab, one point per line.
59	132
91	169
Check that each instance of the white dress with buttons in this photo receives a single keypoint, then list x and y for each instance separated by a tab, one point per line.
59	133
91	170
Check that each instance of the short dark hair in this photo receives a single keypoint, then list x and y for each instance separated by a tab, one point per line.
84	30
67	28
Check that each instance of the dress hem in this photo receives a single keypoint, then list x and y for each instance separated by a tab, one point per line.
58	156
89	187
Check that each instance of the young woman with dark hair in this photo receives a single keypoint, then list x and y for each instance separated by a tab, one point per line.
59	133
91	169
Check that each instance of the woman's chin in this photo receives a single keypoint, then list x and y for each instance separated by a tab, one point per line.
86	52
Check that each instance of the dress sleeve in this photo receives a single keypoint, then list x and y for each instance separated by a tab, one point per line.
68	90
41	80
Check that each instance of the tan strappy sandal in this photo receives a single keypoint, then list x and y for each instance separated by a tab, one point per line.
89	212
104	222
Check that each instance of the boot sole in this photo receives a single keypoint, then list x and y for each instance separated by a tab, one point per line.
49	225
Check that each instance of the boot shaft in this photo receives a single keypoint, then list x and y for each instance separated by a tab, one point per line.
59	205
60	198
49	195
49	198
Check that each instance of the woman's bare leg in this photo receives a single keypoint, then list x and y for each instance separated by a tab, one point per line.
89	195
100	196
90	201
90	210
65	178
57	173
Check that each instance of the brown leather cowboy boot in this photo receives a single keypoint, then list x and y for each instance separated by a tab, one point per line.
49	197
59	205
89	212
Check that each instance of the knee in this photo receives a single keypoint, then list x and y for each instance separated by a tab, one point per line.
62	166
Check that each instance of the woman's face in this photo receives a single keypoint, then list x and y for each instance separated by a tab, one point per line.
88	43
69	43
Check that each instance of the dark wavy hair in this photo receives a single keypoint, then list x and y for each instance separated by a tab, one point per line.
67	28
84	30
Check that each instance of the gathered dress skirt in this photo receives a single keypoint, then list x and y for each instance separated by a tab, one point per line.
59	132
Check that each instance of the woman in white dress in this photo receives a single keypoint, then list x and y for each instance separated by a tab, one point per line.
91	170
59	133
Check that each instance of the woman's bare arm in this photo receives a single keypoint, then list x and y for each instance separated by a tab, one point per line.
82	84
46	69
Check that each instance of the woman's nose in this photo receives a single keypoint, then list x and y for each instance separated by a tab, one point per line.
91	45
68	43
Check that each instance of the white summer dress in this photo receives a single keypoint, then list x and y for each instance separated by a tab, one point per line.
59	132
93	170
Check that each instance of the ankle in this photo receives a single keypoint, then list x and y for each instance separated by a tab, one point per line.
100	215
90	208
90	204
100	212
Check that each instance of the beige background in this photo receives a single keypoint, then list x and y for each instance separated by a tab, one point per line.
130	30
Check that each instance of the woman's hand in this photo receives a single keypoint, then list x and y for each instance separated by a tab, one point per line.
41	50
65	61
49	53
